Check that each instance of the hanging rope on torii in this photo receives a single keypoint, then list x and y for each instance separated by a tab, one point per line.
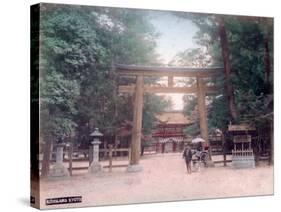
200	88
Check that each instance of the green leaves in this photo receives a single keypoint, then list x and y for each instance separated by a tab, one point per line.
59	92
218	113
153	105
250	42
78	88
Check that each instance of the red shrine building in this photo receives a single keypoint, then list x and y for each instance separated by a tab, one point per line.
169	131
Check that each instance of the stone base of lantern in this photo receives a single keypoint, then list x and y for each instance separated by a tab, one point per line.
58	171
243	162
95	167
134	168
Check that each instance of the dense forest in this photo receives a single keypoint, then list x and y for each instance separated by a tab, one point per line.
78	84
78	92
243	46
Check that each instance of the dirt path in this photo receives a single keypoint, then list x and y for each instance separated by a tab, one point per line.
164	178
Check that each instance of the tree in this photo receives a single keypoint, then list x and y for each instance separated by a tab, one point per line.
153	105
78	84
243	45
227	68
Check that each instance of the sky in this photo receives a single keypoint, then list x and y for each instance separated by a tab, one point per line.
176	35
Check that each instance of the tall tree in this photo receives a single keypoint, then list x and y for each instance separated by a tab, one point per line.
78	84
227	68
243	45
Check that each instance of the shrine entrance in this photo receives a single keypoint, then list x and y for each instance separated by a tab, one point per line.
200	88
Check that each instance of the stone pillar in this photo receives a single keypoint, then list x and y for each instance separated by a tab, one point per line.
59	170
95	166
59	154
137	127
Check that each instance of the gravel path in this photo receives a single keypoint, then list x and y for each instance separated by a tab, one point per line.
164	178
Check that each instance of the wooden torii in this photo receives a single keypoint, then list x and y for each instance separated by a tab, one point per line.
201	89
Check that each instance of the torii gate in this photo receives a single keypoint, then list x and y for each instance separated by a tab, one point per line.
201	89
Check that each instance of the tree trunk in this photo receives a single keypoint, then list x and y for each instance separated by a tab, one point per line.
227	69
266	59
115	118
46	158
271	160
223	148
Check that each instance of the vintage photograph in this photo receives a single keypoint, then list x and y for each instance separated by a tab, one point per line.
140	106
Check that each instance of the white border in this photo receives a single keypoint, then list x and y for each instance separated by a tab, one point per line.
14	111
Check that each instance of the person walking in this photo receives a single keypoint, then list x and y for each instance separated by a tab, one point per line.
187	155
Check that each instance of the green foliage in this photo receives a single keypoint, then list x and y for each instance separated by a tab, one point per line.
190	103
218	113
247	39
78	86
192	58
59	92
193	130
153	105
258	109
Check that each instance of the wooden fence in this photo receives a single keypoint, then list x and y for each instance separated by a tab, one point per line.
108	154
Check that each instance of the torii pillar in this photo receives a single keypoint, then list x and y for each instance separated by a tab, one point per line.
201	94
134	165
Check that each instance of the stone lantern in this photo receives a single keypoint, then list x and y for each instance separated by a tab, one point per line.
59	170
95	166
